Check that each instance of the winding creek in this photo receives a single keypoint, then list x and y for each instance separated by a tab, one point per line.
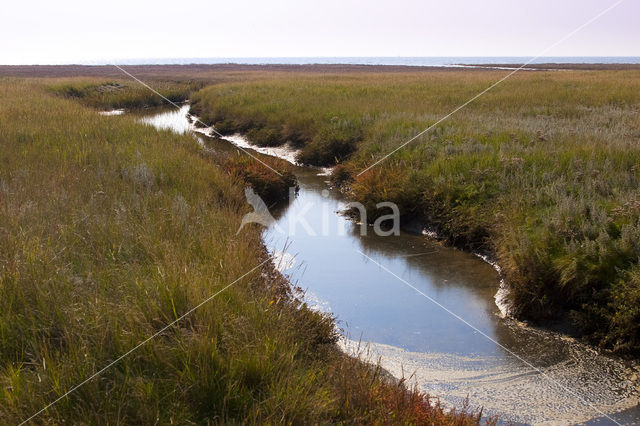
364	281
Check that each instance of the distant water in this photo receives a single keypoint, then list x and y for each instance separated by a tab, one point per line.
433	61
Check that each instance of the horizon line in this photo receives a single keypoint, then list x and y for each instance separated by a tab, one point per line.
174	59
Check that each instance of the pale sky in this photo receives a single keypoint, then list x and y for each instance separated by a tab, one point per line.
77	31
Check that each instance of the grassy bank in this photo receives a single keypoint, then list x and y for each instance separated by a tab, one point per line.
109	230
541	172
117	94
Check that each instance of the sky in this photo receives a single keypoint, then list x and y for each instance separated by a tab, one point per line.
81	31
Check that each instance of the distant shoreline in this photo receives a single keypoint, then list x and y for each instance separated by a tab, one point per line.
161	70
560	66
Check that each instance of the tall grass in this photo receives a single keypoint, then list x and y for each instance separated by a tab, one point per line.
109	230
116	94
541	172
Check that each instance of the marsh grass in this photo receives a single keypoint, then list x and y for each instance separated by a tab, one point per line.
541	172
127	94
109	230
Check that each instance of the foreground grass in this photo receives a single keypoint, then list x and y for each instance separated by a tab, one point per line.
541	172
109	230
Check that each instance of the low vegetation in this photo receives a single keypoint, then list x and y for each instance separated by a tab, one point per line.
269	115
541	172
109	230
119	94
272	188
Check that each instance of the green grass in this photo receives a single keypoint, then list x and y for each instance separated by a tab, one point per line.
541	172
116	94
109	230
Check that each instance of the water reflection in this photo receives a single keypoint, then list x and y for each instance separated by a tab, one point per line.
174	119
377	305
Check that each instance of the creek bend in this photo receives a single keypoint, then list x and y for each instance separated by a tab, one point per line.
383	318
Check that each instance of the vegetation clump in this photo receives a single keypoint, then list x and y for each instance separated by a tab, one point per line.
119	94
271	187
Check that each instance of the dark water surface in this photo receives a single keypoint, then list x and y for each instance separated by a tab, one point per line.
412	335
